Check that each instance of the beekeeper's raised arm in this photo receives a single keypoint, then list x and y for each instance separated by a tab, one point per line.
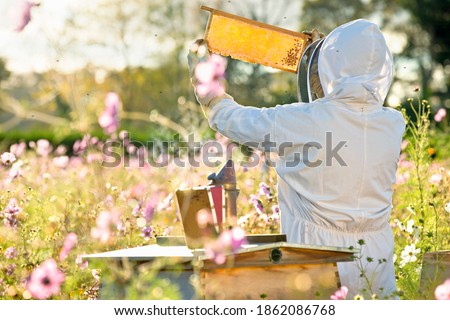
241	124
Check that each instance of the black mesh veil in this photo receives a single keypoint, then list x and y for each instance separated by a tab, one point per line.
309	86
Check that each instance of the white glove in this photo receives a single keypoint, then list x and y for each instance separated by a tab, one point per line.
314	34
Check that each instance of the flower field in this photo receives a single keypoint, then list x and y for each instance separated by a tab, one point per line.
57	205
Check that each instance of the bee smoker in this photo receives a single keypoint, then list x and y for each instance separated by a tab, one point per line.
226	177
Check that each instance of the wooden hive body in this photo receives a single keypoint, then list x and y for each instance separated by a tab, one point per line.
277	270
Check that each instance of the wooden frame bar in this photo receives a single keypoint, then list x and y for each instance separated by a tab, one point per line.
253	41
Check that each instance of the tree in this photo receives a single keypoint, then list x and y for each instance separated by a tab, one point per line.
421	23
429	41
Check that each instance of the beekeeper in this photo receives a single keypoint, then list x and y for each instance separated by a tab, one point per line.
337	192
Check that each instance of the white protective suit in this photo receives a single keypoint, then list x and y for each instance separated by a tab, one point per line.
340	191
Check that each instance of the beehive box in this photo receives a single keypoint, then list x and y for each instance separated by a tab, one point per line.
277	270
255	42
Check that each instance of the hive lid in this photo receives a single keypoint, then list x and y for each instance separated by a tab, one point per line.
284	253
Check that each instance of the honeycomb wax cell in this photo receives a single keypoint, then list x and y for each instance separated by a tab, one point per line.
254	42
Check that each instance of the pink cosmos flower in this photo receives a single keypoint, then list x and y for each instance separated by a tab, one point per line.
45	281
81	145
16	170
10	213
109	119
12	208
404	144
61	150
205	72
257	204
167	231
137	191
137	209
340	294
121	228
229	242
214	88
24	15
150	206
80	263
107	222
222	139
402	178
11	253
235	238
131	149
249	183
69	242
264	190
94	140
403	162
435	178
61	162
10	269
275	209
209	74
166	203
8	158
275	216
96	274
147	233
243	219
109	200
442	292
220	65
94	157
18	149
124	135
204	218
43	147
149	210
440	115
112	102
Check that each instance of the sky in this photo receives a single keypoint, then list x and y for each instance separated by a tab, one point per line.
30	50
38	47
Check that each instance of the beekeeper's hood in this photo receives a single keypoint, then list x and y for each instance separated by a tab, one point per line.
355	63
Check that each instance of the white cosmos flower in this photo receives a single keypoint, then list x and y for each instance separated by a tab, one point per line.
447	207
409	254
410	226
399	224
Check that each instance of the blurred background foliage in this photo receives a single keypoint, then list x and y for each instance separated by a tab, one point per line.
148	42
